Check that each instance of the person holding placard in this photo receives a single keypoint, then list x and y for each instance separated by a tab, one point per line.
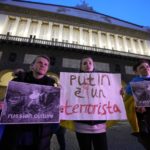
30	136
90	133
140	118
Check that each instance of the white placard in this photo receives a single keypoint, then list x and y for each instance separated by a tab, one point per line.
91	96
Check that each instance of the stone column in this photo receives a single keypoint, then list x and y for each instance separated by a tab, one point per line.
60	38
16	24
108	41
117	42
125	44
27	28
133	46
99	39
70	34
90	38
147	50
81	35
49	34
4	21
140	47
38	29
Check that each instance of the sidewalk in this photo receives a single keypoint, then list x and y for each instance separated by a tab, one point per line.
119	138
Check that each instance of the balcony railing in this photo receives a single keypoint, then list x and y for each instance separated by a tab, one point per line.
33	40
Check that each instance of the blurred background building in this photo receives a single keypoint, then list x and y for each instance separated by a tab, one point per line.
66	34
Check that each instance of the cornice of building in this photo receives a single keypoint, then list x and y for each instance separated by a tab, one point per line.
74	12
76	21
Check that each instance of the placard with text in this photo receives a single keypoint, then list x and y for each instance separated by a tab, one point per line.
91	96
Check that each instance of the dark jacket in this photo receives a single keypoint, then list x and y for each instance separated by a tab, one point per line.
33	136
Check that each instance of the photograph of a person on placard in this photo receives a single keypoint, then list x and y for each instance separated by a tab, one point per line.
141	93
14	100
26	102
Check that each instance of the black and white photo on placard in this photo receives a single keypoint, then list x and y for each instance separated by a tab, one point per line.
141	93
30	103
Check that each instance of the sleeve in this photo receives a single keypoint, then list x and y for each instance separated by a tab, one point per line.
128	89
20	77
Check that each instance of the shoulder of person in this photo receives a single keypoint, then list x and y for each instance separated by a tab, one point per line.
22	76
50	81
136	79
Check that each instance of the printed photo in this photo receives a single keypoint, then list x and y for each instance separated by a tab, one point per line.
141	93
30	103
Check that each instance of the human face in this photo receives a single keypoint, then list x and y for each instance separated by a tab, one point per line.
143	69
87	65
40	67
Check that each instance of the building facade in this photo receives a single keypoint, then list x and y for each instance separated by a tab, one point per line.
66	34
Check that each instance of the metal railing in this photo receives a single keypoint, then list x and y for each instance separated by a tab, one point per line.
34	40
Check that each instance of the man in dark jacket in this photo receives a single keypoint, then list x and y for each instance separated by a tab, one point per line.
35	136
